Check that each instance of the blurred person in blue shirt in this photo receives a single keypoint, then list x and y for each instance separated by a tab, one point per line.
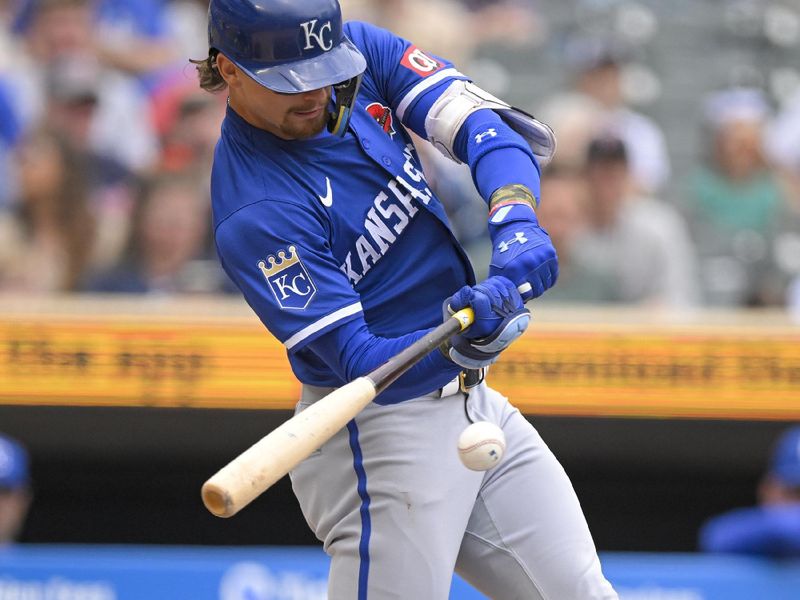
15	496
132	36
773	527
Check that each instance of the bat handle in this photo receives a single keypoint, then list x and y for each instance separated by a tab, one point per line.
465	317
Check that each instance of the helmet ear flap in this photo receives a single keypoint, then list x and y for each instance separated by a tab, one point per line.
344	98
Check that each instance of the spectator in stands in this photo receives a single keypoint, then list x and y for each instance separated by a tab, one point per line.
73	91
782	143
187	26
773	527
504	22
565	216
47	239
187	120
168	251
737	205
132	36
638	246
436	27
135	37
15	495
10	130
598	93
60	34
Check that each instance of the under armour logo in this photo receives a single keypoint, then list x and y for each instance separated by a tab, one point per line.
519	237
489	133
316	36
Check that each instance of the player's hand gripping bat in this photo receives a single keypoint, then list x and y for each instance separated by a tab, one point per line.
251	473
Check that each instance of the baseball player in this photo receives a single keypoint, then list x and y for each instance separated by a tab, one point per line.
324	220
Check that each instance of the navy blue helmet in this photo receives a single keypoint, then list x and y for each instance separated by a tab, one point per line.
288	46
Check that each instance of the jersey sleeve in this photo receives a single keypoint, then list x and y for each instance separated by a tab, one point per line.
402	72
410	80
278	255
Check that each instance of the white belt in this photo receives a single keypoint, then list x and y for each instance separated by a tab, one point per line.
450	388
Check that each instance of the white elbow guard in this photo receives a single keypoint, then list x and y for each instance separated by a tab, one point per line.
461	99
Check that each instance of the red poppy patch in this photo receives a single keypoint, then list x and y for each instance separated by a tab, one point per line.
383	115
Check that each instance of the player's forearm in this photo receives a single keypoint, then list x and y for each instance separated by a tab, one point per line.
351	351
500	159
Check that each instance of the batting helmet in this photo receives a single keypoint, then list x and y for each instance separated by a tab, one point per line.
287	46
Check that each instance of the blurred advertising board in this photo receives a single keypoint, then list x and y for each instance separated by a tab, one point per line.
296	573
580	362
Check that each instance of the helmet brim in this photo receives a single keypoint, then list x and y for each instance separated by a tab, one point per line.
339	64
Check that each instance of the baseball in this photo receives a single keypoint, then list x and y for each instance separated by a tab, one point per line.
481	446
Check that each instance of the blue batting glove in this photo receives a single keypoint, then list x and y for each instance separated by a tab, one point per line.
522	250
500	318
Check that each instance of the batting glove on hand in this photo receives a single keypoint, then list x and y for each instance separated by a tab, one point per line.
521	250
500	318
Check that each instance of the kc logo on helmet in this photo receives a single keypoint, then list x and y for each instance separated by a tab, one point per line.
288	279
317	36
419	62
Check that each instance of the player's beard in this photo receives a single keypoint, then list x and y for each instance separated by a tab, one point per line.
295	129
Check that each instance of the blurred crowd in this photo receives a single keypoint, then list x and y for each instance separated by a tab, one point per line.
106	144
105	148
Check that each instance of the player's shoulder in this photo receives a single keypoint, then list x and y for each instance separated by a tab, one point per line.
243	181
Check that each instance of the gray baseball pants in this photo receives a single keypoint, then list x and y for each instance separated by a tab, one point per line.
397	511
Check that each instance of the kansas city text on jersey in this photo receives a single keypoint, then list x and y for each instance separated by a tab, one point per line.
387	219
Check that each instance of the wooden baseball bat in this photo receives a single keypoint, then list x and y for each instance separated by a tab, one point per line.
251	473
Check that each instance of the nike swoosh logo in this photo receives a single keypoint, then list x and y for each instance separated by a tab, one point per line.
327	199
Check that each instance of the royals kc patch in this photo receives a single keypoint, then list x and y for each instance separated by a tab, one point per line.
288	279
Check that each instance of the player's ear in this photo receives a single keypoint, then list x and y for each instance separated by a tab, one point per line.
228	70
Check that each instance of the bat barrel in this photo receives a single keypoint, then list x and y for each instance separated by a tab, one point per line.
256	469
251	473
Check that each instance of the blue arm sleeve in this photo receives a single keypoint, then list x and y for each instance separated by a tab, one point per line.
768	531
352	351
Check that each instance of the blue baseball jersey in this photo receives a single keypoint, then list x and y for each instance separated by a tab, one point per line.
321	232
